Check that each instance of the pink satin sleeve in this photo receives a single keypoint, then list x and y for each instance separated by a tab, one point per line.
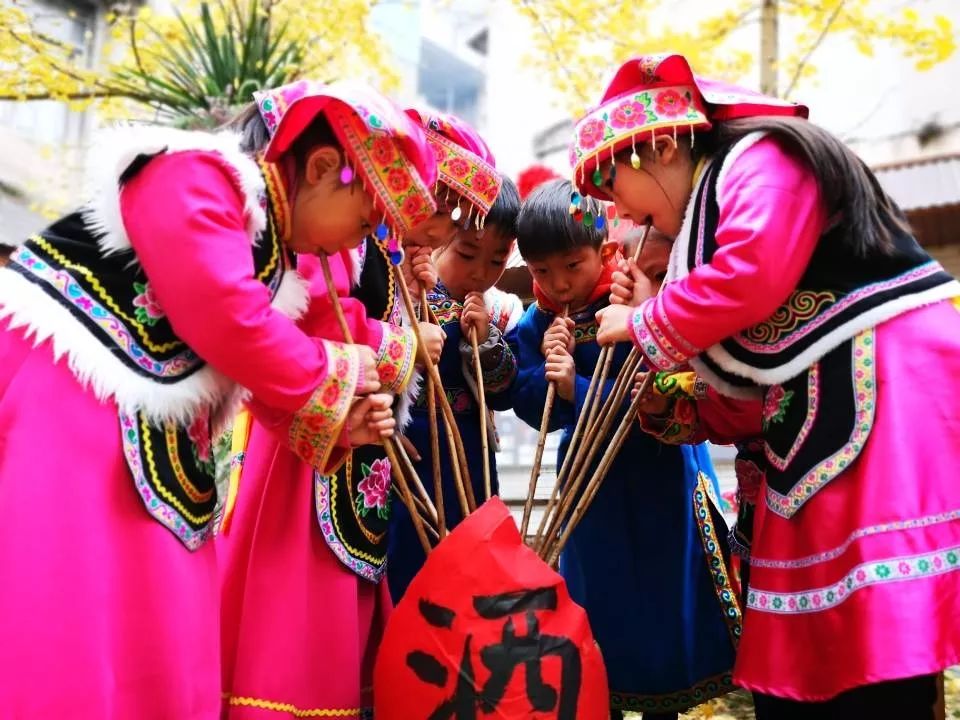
771	217
184	216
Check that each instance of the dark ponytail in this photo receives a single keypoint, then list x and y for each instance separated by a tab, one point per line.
850	190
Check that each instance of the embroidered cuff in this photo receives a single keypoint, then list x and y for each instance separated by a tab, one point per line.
655	337
498	365
316	426
395	357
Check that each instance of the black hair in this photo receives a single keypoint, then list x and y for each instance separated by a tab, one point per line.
851	192
503	213
545	225
254	135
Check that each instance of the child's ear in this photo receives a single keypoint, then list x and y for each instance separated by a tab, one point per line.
609	249
666	149
321	160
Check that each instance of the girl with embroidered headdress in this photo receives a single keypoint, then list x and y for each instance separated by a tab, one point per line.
466	188
127	329
795	279
300	619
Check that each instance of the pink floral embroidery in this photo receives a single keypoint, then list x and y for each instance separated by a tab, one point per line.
374	488
148	310
628	115
591	134
199	433
672	104
775	405
458	167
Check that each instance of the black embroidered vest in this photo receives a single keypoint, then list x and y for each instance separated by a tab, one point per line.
356	533
813	359
110	296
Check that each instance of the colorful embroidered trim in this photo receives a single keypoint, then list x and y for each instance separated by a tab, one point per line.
646	342
631	118
774	340
464	172
445	308
365	565
800	307
396	187
865	388
717	565
74	294
396	357
102	292
279	203
896	569
167	511
313	431
674	702
685	348
834	553
291	709
173	452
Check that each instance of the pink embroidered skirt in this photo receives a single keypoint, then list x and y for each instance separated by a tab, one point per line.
300	630
103	612
862	584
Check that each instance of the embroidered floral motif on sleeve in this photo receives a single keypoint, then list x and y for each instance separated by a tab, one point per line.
395	357
313	432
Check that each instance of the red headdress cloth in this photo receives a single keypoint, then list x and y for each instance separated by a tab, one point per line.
388	151
654	95
464	162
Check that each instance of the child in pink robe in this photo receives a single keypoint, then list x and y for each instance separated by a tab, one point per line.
795	283
126	330
300	620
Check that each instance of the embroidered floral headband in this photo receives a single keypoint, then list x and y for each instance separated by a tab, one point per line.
654	95
386	150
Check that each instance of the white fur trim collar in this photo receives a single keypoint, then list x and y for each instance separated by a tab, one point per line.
115	149
96	367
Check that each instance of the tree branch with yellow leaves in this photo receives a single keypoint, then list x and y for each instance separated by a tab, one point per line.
196	62
577	42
